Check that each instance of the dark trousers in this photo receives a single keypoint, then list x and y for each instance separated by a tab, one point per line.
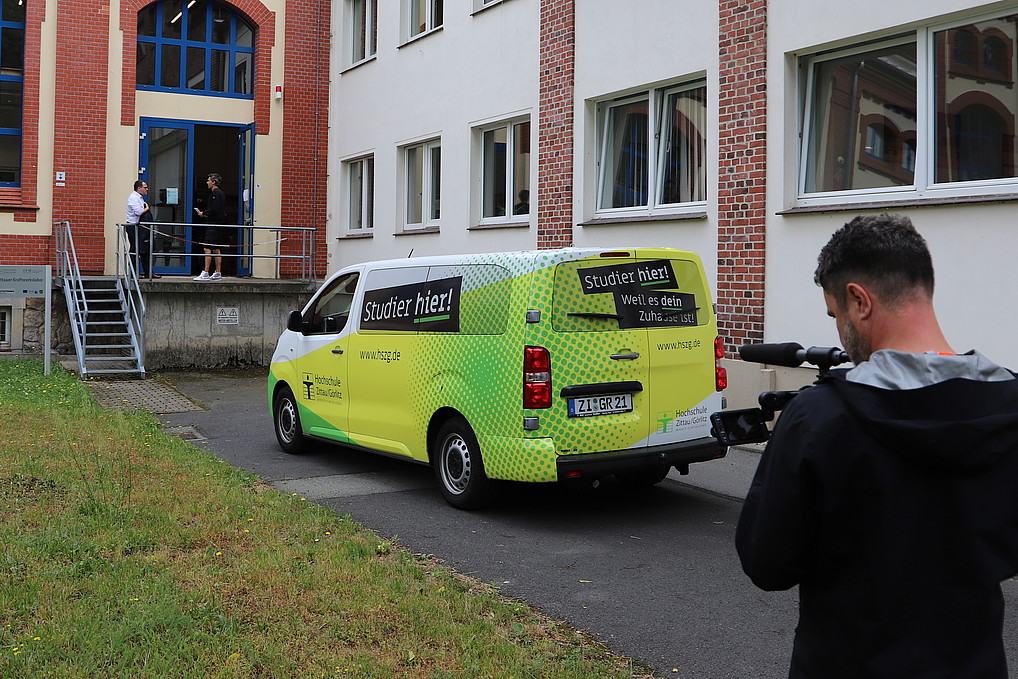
140	239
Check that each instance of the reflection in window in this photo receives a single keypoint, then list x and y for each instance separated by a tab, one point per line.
975	115
884	84
201	47
12	81
423	16
964	48
363	35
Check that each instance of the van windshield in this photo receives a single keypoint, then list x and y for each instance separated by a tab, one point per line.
597	295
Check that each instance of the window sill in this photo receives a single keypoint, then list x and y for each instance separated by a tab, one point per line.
488	6
898	203
415	232
419	36
500	225
638	219
358	64
356	236
11	200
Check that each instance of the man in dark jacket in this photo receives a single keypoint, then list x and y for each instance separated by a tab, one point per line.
215	235
889	492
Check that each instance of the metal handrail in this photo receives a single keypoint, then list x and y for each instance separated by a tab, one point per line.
306	244
67	267
132	291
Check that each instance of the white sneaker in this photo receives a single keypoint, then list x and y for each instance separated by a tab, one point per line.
203	276
216	276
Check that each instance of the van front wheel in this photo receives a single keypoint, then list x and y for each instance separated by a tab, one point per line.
458	466
286	419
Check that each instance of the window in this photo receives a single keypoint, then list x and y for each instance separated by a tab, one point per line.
363	22
864	119
421	16
199	47
423	173
652	149
12	81
361	196
5	327
331	309
505	174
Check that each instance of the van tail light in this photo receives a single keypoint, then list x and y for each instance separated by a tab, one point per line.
536	377
720	374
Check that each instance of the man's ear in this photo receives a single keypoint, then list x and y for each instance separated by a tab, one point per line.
858	301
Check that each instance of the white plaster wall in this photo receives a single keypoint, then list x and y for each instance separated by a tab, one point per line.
973	245
478	68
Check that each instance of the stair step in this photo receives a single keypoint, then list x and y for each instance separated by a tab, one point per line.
124	359
107	334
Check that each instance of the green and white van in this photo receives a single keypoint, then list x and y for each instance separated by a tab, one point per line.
526	366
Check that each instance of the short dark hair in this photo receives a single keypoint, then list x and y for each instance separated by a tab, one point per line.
216	178
884	252
137	184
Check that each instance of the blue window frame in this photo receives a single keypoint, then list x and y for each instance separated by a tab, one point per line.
195	47
12	82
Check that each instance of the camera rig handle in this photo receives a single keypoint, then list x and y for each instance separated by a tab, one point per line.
792	355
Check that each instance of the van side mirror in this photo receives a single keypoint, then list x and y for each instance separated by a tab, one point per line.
294	321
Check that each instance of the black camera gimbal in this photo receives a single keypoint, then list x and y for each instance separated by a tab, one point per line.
735	427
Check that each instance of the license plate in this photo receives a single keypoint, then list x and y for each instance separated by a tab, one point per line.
590	406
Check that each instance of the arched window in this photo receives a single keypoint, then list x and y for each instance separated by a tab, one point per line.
199	47
994	53
12	81
964	48
980	133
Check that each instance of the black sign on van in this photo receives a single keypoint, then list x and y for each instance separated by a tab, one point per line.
432	306
641	293
634	275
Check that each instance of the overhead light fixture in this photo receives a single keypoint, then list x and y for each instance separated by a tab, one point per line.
176	18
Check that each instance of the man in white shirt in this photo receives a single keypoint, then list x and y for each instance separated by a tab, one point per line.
138	236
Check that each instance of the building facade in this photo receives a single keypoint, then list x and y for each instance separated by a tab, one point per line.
745	130
96	96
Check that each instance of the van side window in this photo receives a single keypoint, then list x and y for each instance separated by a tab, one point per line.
331	309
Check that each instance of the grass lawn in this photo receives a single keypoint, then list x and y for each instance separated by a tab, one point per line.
125	552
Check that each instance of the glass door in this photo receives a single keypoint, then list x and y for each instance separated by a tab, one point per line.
166	156
246	139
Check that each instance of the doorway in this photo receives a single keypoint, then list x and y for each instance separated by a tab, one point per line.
176	158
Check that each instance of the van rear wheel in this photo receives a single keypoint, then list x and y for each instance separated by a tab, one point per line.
286	420
458	466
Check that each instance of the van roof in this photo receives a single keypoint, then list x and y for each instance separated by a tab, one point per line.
555	255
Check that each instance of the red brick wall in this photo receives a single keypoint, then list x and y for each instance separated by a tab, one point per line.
555	124
305	126
79	146
742	144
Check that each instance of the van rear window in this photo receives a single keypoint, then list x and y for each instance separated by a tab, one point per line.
597	295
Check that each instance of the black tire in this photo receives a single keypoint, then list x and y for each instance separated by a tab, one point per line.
286	421
643	478
459	470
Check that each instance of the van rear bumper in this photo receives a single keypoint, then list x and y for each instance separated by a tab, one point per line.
594	465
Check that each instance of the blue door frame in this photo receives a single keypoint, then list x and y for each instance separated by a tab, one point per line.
173	199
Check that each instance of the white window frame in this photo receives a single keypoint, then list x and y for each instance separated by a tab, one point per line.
924	186
430	203
656	99
510	172
355	29
365	200
485	4
432	23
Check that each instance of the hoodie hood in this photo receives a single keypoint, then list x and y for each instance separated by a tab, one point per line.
965	423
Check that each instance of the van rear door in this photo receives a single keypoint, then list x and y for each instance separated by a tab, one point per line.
600	363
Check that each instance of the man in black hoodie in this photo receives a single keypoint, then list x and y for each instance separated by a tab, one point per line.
889	492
